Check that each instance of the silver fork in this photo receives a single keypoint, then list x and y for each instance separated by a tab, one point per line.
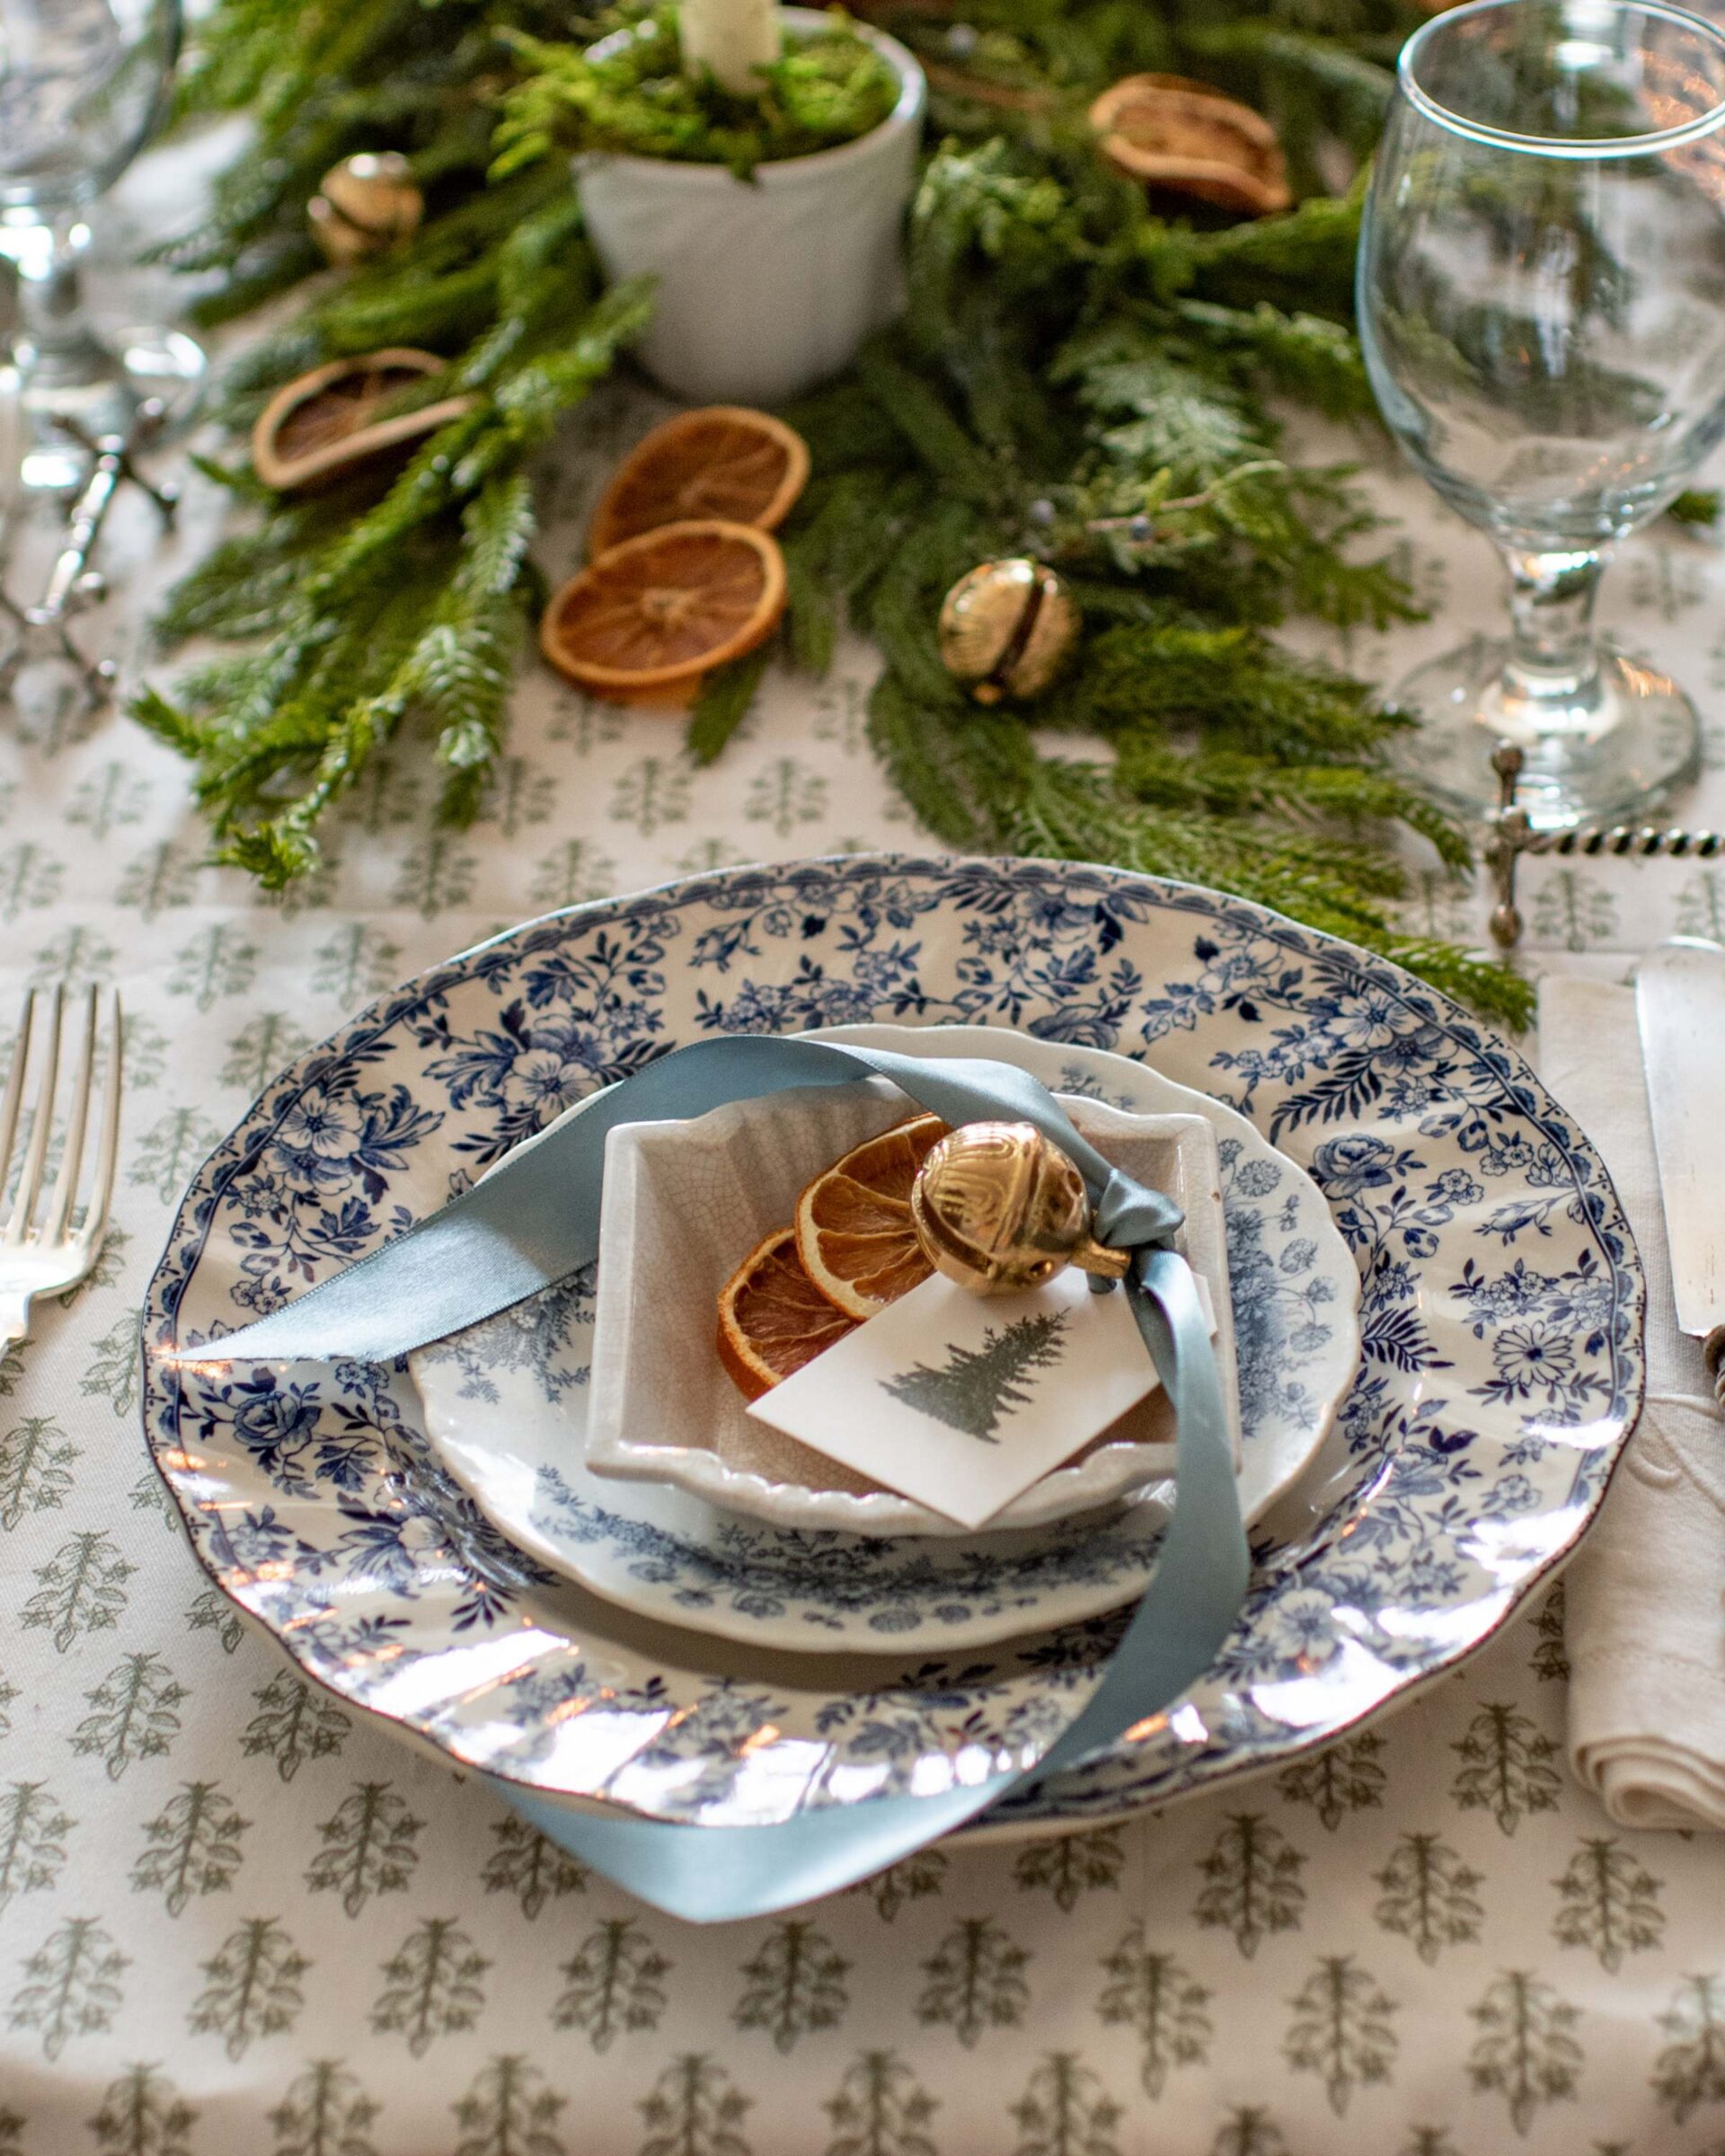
47	1257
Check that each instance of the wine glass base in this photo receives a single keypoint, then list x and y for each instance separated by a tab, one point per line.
1614	751
148	362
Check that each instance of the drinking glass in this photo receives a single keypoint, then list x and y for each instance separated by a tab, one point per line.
1542	304
81	83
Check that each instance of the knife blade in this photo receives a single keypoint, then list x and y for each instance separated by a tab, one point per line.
1680	1009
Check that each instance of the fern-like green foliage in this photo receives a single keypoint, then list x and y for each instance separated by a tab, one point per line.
823	91
1082	375
358	618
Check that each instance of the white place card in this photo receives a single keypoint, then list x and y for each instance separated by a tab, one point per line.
962	1400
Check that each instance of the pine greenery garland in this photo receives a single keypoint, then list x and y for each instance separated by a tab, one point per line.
1075	377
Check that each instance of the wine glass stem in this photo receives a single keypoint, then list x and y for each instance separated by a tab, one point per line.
1552	656
55	345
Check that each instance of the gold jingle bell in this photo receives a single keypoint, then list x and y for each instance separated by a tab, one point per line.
365	206
999	1208
1006	628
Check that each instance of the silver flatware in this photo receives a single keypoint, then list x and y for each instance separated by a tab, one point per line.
1680	1008
47	1247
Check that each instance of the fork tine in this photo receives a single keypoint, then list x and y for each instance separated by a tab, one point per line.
15	1087
29	1183
102	1191
77	1119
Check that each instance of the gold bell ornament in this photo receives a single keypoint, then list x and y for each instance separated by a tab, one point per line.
1007	628
365	206
999	1208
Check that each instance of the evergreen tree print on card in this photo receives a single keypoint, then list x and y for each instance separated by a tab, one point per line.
1070	1865
510	2111
795	1984
142	2114
293	1724
1253	1886
133	1714
431	1985
32	1839
1429	1897
976	1981
368	1847
252	1987
1608	1902
1507	1767
615	1983
324	2113
192	1846
1066	2111
694	2109
1524	2052
879	2108
1690	2071
1156	1997
975	1387
71	1984
530	1866
1341	2030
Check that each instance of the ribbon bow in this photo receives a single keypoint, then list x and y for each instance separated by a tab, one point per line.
536	1219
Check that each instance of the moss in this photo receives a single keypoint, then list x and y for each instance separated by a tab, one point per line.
823	91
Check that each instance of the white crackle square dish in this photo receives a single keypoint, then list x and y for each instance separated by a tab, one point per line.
684	1202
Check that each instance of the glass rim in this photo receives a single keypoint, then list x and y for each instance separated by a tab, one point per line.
1576	149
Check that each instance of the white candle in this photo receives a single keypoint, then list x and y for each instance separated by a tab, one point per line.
733	38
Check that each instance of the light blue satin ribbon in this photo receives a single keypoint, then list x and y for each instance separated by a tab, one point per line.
536	1218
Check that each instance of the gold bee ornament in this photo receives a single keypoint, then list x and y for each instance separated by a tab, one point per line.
999	1208
365	206
1007	628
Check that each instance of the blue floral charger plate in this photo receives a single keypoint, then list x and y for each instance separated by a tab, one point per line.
1501	1312
503	1404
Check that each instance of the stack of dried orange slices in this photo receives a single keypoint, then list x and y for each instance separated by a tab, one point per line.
850	1251
683	575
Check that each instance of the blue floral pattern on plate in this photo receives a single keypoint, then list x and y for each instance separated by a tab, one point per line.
1501	1314
502	1406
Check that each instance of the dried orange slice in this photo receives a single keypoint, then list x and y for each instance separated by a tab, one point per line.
322	426
853	1228
772	1318
1188	137
725	460
651	615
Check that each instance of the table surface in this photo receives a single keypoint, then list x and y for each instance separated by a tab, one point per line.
234	1918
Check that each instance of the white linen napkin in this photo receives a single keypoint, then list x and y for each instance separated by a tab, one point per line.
1645	1596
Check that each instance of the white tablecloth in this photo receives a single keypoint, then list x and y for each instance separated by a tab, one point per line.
233	1918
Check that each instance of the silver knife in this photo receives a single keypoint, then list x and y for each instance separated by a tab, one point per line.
1680	1004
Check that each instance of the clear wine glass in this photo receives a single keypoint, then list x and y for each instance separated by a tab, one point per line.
81	84
1542	304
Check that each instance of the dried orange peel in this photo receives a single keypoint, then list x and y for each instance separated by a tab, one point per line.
322	426
723	461
854	1233
1190	138
652	617
772	1318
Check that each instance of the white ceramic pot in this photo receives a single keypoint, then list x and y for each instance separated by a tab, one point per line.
765	286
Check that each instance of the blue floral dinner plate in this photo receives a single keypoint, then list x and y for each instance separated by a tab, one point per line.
1501	1306
503	1404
